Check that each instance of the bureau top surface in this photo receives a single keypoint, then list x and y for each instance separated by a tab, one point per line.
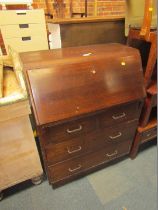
75	85
47	58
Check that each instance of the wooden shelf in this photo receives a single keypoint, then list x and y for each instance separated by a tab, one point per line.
152	123
84	20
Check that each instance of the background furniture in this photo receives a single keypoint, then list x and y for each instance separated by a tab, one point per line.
87	108
139	36
72	13
24	30
19	159
74	32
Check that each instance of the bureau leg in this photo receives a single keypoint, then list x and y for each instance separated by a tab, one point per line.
1	195
37	180
135	146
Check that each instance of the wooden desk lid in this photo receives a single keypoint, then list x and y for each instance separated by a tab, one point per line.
85	84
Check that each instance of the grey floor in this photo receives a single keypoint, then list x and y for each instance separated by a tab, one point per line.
127	185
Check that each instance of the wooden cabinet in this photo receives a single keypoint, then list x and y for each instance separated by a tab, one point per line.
86	102
24	30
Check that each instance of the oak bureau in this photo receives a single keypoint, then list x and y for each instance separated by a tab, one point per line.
86	102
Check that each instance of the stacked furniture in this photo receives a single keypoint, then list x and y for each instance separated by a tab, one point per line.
87	102
147	34
19	158
24	30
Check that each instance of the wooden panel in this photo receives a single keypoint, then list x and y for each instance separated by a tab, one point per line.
27	43
71	167
78	34
79	88
14	110
19	158
8	17
20	30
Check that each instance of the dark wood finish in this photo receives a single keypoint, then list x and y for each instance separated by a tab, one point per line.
150	103
149	69
144	135
88	142
79	34
86	102
68	168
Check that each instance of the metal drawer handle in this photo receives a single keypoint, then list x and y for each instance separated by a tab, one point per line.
75	169
148	134
75	130
73	151
113	154
23	25
21	13
119	116
115	137
26	38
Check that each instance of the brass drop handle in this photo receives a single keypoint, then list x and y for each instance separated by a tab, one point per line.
115	137
75	130
75	169
112	154
119	116
74	151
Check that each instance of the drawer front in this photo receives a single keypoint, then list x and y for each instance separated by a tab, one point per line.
23	30
22	16
64	150
149	134
119	114
77	165
107	154
111	135
28	43
68	131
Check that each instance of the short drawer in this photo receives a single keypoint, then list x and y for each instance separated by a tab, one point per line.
119	114
64	150
27	43
112	135
149	134
8	17
78	165
23	30
70	130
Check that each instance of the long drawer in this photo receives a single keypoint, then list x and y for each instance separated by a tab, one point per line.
110	117
89	142
23	30
8	17
28	43
80	164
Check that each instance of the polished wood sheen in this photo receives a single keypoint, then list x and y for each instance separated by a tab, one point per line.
87	103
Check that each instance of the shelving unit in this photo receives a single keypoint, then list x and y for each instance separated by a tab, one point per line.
147	129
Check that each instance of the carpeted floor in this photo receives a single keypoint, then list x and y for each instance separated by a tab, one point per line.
127	185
